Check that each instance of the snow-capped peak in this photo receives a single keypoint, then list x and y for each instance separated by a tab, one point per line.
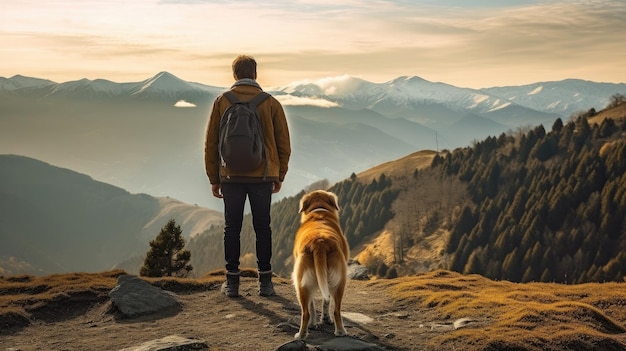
19	81
86	86
163	81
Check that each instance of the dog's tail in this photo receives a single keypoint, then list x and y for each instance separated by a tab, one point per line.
320	264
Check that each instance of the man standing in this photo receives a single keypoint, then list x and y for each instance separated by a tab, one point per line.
258	184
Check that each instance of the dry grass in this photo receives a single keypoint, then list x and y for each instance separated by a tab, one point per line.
512	316
24	297
400	167
618	113
62	296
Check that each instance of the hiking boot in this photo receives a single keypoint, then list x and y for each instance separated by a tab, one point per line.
230	287
266	287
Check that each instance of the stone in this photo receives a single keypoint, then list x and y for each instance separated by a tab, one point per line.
347	343
295	345
133	297
170	343
357	272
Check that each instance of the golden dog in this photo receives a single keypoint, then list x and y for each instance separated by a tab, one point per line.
321	256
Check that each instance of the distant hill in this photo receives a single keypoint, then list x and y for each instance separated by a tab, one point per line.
564	97
56	220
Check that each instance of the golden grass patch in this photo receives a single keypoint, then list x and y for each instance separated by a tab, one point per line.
400	167
517	316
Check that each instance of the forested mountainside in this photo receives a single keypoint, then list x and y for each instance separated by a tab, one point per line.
530	205
545	206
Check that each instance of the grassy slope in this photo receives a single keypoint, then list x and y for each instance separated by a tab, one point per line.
400	167
514	316
617	112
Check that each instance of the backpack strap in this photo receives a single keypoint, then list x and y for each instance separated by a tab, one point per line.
232	98
256	101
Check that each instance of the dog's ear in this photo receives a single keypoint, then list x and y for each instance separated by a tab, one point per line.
335	200
303	203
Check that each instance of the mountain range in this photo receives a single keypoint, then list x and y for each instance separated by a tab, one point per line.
147	137
78	159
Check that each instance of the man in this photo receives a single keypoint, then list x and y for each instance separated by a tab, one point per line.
257	185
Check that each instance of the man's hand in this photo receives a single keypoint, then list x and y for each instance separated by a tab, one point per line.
277	186
217	190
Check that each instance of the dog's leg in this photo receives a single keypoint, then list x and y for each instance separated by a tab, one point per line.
340	330
313	310
305	299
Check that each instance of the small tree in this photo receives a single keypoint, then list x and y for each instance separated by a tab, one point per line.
616	100
166	256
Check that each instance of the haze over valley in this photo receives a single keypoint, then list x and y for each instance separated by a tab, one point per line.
135	152
133	136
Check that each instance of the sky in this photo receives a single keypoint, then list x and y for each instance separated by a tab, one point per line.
466	43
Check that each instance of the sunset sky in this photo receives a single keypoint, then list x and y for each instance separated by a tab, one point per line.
467	43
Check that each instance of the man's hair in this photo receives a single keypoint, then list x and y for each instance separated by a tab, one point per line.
244	66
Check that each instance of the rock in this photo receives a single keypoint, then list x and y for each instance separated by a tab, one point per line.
13	319
357	272
347	344
356	317
133	297
295	345
461	322
170	343
286	327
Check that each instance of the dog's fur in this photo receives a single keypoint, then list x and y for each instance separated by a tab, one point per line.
321	254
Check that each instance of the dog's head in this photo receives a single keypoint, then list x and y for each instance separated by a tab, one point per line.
319	200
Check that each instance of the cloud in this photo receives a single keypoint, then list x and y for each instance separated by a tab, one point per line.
329	85
183	103
466	43
290	100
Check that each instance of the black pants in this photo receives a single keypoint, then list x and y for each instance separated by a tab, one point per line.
260	197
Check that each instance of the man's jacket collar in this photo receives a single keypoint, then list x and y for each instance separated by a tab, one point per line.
247	81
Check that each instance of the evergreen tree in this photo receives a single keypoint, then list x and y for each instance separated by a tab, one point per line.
392	273
474	264
464	225
166	256
382	270
557	126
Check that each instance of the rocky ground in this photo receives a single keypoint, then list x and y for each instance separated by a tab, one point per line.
439	310
250	322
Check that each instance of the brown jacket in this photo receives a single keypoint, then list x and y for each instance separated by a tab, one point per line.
276	133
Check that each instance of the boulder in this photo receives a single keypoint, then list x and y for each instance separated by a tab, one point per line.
133	297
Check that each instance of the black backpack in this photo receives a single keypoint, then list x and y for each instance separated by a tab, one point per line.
241	142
